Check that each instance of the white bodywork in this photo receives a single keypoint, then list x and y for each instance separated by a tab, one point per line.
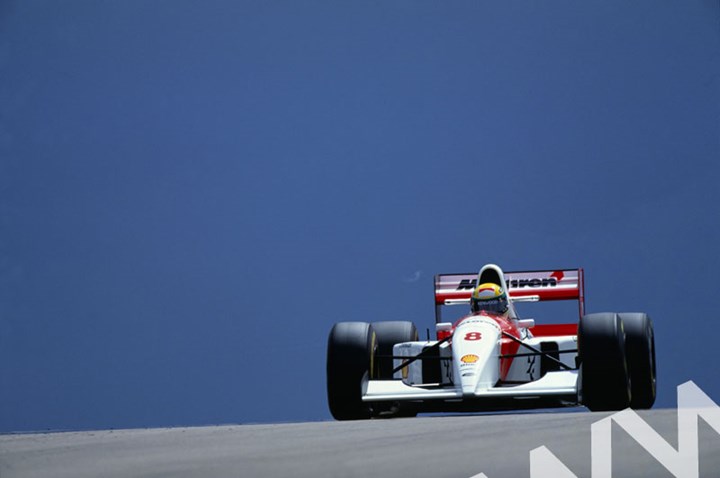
477	379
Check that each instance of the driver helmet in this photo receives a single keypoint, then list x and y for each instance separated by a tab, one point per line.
490	298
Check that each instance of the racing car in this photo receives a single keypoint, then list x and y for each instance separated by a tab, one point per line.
491	359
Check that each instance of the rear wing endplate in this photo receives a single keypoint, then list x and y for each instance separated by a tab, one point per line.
562	284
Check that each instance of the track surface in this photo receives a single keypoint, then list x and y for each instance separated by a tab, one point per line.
453	447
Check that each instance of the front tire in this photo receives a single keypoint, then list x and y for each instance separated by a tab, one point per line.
350	361
604	378
640	352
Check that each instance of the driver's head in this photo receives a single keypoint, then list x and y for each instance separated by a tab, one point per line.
489	297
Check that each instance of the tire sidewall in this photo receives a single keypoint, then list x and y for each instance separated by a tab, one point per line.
604	380
350	363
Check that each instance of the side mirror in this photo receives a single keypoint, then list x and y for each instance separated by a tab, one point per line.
443	330
526	323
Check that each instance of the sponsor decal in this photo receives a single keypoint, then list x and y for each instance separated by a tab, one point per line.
469	284
520	283
448	368
531	367
469	358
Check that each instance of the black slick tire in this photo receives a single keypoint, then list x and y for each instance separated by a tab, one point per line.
640	352
350	361
604	378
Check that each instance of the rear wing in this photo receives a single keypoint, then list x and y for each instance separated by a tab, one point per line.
563	284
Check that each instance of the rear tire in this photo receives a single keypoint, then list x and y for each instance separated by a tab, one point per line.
388	334
640	352
604	378
350	361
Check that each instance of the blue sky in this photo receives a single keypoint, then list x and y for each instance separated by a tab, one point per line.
192	193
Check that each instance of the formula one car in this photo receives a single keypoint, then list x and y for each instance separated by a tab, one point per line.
491	359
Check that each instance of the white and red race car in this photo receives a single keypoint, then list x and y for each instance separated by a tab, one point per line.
487	362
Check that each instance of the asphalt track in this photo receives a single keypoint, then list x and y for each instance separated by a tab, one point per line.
431	446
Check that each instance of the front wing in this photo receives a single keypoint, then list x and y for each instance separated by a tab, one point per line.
560	385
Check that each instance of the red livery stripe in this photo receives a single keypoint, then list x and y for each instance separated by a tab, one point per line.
547	330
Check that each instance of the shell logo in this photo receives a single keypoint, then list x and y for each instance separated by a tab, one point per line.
470	358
